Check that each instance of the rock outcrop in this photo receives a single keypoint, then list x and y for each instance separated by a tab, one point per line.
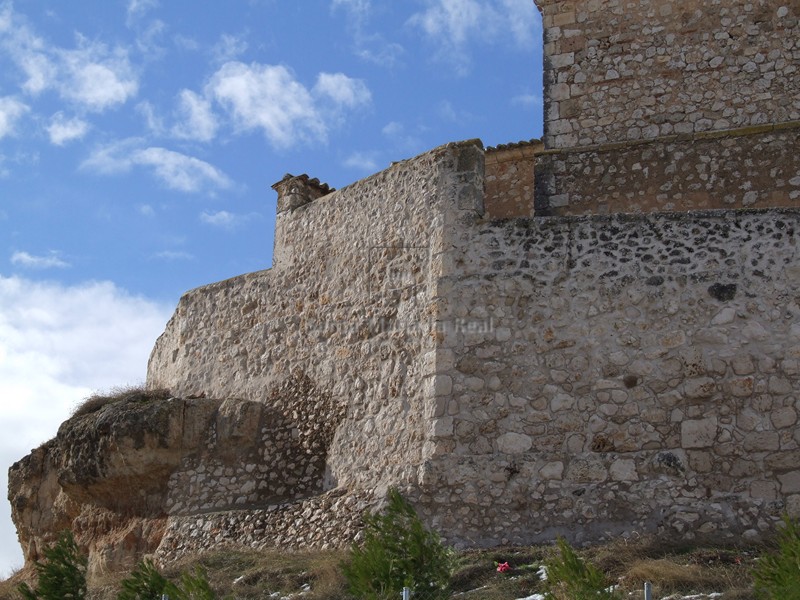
116	471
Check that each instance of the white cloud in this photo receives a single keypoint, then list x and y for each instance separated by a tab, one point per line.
138	8
181	172
186	43
220	218
177	171
362	161
268	97
371	47
527	100
344	91
147	39
62	130
521	17
197	119
228	48
453	24
152	120
399	135
49	261
172	255
59	344
146	210
11	110
91	75
96	77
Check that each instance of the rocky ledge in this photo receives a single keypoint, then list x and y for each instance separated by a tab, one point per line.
127	473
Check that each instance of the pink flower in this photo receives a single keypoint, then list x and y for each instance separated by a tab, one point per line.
503	567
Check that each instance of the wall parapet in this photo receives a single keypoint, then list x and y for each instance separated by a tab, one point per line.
509	179
739	168
678	137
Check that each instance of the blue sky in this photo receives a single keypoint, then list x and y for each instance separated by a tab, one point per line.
139	140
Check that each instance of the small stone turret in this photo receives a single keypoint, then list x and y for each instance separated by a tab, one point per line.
295	191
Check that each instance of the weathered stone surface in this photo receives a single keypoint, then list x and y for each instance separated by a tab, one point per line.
514	443
700	433
643	71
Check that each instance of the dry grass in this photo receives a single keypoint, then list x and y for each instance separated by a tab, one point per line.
247	575
676	569
8	585
119	395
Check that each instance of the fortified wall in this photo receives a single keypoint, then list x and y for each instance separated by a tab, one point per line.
682	105
594	335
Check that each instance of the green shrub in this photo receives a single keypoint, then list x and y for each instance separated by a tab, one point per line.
397	552
62	575
194	586
777	575
147	583
570	578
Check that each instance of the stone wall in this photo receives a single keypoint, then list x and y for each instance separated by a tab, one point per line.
328	360
516	378
745	168
633	374
637	69
509	180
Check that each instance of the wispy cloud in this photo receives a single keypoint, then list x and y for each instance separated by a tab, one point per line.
369	46
177	171
403	138
11	110
95	77
228	48
344	91
363	161
181	172
91	75
51	260
527	100
453	24
222	219
269	98
62	130
186	43
196	119
173	255
152	120
138	8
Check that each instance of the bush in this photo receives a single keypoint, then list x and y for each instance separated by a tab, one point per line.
146	583
116	395
397	552
62	575
777	575
194	586
570	578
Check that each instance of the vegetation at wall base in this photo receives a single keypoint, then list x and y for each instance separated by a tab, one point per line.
777	574
146	582
398	551
569	577
62	575
246	574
